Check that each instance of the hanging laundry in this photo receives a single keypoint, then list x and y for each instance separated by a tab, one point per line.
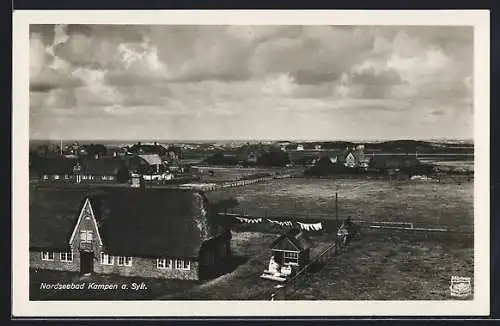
248	220
276	222
310	226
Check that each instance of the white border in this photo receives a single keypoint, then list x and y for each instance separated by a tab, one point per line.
20	280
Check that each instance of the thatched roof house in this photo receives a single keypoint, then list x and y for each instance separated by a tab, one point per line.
154	228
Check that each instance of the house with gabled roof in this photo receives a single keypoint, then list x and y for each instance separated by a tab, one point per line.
102	170
159	233
291	248
54	168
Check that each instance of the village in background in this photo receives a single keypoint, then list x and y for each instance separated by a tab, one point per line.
259	220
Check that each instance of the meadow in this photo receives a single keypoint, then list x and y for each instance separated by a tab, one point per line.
425	204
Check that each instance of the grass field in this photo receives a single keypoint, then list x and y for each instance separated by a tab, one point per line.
422	203
382	265
392	265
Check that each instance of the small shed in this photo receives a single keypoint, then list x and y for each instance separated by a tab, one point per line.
291	248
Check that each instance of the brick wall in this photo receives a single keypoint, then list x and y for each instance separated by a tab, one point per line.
142	267
37	262
146	267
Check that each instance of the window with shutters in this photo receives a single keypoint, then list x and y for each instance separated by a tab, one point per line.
86	236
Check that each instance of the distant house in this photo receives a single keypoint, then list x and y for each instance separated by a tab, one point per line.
250	153
158	233
54	168
405	164
166	153
145	163
102	170
350	160
353	157
92	150
291	248
252	158
300	147
317	147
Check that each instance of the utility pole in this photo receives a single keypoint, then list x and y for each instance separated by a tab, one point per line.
60	148
336	209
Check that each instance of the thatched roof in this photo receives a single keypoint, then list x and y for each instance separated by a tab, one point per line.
54	165
132	222
102	166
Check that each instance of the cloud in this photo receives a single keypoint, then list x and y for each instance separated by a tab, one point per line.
179	75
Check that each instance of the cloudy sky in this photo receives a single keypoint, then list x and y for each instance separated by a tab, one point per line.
242	82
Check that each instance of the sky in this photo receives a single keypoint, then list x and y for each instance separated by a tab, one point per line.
250	82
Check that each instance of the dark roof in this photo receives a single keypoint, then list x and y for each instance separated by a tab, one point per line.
55	165
294	239
102	166
132	222
393	162
148	149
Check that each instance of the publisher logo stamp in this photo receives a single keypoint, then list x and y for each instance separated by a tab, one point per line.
460	287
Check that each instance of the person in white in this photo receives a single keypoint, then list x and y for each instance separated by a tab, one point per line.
274	267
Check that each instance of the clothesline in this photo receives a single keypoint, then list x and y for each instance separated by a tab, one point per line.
287	223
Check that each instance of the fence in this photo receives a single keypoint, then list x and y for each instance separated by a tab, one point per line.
240	183
294	282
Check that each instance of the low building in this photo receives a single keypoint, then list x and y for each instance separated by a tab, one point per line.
158	233
102	170
404	164
55	169
291	248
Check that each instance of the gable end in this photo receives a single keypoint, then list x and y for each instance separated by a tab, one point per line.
86	213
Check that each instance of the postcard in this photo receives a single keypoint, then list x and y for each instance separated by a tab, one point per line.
297	163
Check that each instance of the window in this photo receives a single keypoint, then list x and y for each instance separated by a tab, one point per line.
291	255
164	263
45	177
86	236
47	255
183	264
56	177
66	256
124	261
107	259
66	176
